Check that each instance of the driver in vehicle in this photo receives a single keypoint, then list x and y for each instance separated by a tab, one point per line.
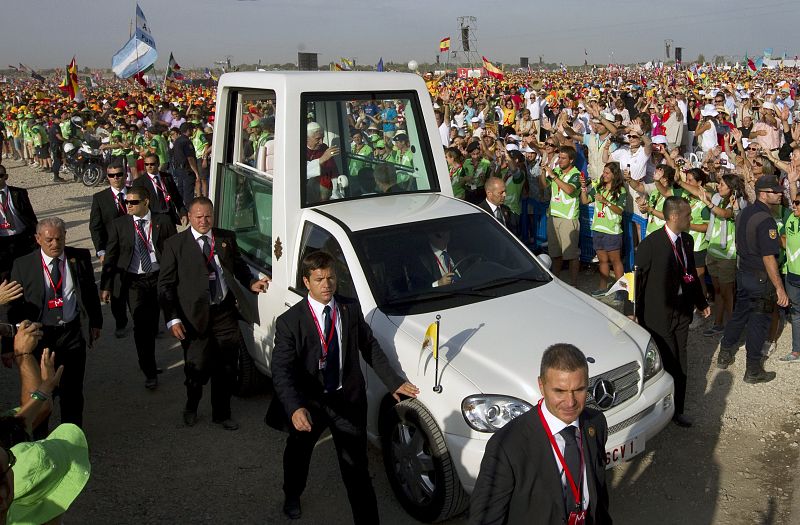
435	265
321	169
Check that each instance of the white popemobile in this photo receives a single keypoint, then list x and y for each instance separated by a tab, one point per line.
300	183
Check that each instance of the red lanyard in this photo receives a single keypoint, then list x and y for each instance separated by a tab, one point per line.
448	270
325	344
55	286
560	456
149	236
211	252
159	185
453	171
120	204
680	260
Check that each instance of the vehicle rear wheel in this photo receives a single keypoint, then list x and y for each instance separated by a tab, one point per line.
419	465
249	380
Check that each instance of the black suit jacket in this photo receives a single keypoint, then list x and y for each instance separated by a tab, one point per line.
27	271
660	277
183	278
508	216
520	481
122	240
105	208
296	376
23	208
177	208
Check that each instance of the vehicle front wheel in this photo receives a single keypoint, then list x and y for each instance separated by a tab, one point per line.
419	465
249	380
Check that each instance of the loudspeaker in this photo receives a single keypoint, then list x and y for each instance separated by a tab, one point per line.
523	62
678	55
465	38
307	61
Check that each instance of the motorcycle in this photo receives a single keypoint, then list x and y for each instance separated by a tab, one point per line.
85	161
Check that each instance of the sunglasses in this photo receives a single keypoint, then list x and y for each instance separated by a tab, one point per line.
12	460
758	163
796	203
115	175
548	144
132	202
151	163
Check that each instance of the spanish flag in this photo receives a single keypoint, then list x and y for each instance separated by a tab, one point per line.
492	70
431	340
70	83
444	44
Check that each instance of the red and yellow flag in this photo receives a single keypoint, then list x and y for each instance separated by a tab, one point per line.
492	70
444	44
70	83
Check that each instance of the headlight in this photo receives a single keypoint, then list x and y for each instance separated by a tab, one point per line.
489	413
652	361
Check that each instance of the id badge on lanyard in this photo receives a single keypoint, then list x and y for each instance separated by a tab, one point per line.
577	518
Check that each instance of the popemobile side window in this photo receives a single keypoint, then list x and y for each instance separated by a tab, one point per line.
255	130
317	238
244	205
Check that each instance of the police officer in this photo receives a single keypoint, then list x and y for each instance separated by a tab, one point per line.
758	281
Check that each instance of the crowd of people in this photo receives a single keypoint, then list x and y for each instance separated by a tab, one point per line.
708	164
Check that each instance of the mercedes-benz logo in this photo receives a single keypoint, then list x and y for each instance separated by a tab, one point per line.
604	394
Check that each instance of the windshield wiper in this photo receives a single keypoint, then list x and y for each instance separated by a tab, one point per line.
438	294
508	280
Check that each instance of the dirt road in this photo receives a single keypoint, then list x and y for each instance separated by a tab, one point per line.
737	465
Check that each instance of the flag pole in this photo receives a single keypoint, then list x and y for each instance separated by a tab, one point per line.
635	271
436	386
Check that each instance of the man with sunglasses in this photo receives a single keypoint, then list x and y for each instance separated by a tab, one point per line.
107	205
160	186
133	252
758	281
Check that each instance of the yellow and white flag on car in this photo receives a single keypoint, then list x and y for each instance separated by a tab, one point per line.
431	340
627	282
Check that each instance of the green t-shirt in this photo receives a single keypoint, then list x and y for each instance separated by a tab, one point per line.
605	220
656	201
791	229
355	165
514	182
719	245
455	181
478	174
565	205
700	215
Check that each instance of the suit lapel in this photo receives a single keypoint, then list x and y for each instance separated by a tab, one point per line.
73	269
344	311
156	230
37	283
589	452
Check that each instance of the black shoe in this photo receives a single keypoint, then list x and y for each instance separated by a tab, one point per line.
189	418
56	178
159	370
724	359
227	424
681	421
291	507
151	383
755	375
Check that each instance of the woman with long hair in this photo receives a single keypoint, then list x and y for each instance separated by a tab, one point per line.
609	196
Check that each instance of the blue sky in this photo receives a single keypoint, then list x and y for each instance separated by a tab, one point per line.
46	33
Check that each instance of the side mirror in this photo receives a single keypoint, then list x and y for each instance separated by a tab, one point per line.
545	260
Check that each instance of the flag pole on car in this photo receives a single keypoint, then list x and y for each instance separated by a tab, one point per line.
431	341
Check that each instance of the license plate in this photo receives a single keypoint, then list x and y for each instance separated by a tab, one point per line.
624	452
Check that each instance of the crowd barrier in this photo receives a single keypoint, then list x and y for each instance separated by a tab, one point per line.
534	231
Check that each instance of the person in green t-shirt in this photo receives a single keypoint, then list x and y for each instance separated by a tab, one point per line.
476	167
721	238
358	146
653	205
454	165
563	225
790	238
609	195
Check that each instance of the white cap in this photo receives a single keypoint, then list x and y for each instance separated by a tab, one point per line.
512	147
659	139
527	149
709	111
769	105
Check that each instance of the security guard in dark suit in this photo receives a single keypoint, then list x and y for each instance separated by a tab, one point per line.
758	281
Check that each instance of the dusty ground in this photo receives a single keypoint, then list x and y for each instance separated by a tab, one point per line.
737	465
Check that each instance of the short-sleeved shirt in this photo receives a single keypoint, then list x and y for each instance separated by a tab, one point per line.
387	115
182	150
765	240
605	220
565	205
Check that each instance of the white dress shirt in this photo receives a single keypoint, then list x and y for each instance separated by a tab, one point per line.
146	231
556	426
317	307
441	266
70	308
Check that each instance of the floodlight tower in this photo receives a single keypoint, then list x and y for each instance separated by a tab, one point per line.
468	31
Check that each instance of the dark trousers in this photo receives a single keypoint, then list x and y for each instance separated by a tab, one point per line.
672	347
755	302
142	291
184	180
119	306
56	152
70	350
213	356
350	441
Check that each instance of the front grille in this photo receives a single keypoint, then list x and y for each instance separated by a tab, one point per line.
625	380
631	420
